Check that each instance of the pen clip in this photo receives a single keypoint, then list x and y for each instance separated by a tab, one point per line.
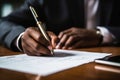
34	13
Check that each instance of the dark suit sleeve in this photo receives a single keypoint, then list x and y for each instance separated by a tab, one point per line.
8	33
116	32
15	23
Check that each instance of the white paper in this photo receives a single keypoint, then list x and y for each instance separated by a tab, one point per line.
46	65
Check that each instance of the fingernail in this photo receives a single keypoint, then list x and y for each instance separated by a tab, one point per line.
57	46
51	49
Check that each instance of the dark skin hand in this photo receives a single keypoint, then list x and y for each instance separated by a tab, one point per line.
33	42
76	38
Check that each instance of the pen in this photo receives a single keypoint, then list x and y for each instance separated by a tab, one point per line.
40	25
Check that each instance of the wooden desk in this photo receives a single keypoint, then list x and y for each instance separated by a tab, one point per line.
90	71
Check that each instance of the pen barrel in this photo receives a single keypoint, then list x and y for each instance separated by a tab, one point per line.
43	31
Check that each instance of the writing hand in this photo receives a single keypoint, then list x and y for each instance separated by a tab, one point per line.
33	42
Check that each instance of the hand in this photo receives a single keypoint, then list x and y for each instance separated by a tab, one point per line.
76	37
33	42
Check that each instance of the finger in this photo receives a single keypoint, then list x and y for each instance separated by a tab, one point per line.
35	48
76	45
63	40
71	41
68	42
27	49
81	44
64	32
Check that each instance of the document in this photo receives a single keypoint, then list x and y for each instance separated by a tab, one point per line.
46	65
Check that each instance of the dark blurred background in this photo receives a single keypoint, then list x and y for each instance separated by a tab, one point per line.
7	6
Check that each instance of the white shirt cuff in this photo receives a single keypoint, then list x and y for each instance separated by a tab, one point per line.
18	43
107	36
